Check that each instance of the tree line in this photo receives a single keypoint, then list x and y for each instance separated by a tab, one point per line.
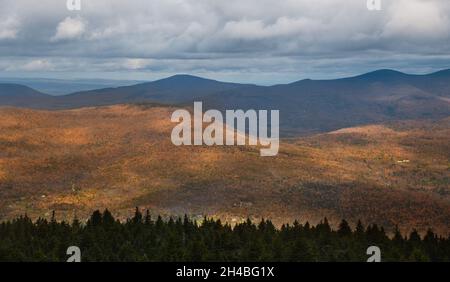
143	238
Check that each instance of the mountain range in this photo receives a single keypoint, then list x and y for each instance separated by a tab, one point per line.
58	87
372	147
306	106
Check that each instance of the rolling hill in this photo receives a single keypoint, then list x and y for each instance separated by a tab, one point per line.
119	157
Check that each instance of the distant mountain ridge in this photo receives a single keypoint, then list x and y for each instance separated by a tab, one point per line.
56	87
306	106
17	95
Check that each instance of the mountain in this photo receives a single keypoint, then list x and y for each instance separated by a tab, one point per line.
306	106
311	106
172	90
22	96
57	87
119	157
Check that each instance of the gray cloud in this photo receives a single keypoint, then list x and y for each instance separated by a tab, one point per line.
265	41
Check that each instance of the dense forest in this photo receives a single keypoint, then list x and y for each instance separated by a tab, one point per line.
143	238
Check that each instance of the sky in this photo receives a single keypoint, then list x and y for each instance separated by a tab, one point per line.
255	41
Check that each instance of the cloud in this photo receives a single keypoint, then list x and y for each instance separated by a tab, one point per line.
33	65
9	27
136	64
69	28
418	20
37	65
257	29
228	38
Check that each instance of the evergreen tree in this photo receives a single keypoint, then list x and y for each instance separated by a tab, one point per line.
344	228
103	238
96	218
137	219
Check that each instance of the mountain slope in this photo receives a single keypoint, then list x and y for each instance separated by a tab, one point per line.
22	96
119	157
311	106
172	90
57	87
306	106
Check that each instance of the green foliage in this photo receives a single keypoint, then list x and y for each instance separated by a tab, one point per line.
141	238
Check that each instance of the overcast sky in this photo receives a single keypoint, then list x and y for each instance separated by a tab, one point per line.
259	41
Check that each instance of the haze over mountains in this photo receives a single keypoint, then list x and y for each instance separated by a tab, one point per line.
57	87
306	106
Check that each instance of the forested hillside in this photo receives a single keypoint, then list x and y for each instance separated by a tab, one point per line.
143	238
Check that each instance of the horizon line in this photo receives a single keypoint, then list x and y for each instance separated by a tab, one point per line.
139	81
